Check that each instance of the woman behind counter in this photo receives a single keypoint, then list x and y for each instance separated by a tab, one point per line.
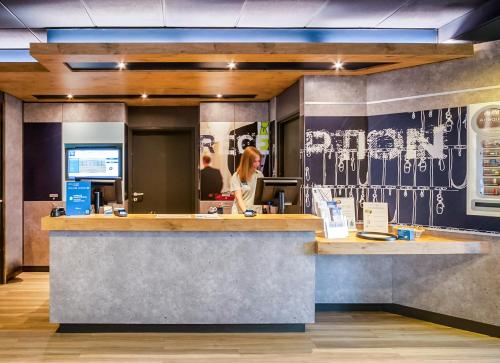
244	181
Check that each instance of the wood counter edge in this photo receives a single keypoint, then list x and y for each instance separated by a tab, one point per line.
106	224
445	247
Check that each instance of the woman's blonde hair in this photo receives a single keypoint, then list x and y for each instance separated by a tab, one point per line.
246	162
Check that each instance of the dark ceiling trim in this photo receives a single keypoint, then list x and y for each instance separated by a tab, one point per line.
135	96
478	25
218	66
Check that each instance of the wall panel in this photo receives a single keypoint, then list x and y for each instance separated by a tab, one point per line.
94	112
13	184
445	84
465	286
42	161
36	241
288	102
43	112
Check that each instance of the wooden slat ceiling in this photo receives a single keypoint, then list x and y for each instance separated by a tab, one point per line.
52	77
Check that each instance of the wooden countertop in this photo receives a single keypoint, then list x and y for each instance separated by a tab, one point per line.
184	222
430	243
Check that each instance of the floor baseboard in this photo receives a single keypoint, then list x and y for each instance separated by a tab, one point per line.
35	268
432	317
181	328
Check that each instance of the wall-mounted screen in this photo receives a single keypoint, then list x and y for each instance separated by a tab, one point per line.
93	161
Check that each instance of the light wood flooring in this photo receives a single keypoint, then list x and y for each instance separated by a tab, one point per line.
27	336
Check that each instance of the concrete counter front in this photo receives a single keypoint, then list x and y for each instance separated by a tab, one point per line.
180	269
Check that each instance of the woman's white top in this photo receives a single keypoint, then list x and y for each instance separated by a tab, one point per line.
247	191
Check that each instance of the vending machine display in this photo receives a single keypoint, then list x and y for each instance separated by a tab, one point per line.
483	160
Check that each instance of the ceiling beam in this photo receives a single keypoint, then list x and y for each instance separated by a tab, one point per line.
51	76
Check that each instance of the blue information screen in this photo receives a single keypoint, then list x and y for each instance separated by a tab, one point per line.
77	198
94	163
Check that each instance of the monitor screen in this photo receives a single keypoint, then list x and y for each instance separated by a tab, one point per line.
93	162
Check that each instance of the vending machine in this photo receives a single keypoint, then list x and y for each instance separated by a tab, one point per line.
483	159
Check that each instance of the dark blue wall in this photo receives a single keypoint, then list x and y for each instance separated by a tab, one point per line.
430	192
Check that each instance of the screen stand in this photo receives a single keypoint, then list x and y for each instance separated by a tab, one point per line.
281	202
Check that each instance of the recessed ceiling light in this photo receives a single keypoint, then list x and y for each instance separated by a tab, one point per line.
219	95
231	65
69	96
121	66
338	65
144	96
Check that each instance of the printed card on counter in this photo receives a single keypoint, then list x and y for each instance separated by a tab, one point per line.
375	217
347	207
207	216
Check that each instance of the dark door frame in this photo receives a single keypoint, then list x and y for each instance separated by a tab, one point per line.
279	140
3	269
159	130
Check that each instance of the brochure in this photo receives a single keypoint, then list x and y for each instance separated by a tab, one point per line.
335	223
319	196
347	207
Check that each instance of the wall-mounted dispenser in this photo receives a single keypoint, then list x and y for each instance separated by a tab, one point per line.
483	159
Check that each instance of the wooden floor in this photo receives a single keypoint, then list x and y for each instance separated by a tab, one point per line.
27	336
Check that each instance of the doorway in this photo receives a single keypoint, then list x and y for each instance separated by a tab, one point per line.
162	171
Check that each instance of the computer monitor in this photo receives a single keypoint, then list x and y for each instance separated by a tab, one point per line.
279	191
111	191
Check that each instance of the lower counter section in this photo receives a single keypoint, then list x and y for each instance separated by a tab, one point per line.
181	277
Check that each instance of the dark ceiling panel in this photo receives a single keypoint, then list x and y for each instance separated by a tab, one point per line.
354	14
50	13
8	21
484	33
202	13
480	25
138	96
218	66
279	13
430	13
126	13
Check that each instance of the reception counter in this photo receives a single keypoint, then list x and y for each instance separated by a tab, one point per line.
183	269
265	272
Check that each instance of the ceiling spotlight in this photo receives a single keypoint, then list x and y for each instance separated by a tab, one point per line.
121	66
144	96
219	95
231	65
338	65
69	97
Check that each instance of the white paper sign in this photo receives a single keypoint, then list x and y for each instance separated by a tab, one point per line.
375	217
319	197
347	207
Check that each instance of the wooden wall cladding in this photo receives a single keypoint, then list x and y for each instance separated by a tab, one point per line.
42	161
36	241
